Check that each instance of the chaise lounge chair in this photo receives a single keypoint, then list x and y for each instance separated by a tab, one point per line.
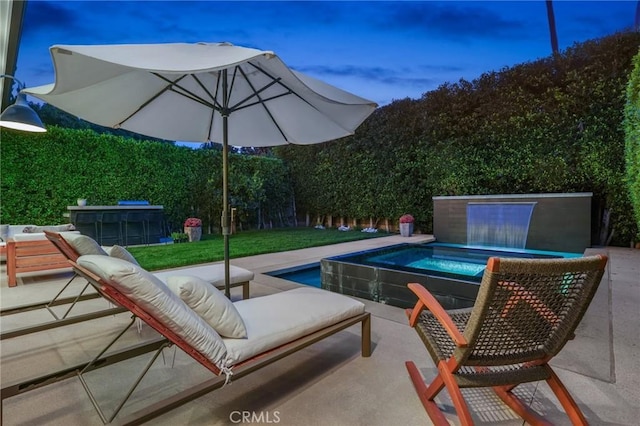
73	245
263	329
525	312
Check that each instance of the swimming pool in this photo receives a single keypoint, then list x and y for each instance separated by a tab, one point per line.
308	274
451	272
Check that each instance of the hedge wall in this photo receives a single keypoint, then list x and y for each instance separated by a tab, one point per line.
41	174
632	139
552	125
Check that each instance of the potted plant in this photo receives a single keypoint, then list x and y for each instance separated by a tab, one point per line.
193	228
406	225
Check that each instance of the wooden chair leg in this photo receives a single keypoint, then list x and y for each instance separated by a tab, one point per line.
366	336
456	395
563	395
11	263
245	290
530	416
430	406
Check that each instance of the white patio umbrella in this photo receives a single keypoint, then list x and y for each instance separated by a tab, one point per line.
204	92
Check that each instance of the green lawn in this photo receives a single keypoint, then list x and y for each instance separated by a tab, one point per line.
246	243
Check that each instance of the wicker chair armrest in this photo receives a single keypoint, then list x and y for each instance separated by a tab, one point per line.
426	300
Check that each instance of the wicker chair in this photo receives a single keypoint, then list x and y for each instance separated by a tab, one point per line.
525	312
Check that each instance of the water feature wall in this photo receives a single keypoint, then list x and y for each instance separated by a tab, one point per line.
559	222
499	224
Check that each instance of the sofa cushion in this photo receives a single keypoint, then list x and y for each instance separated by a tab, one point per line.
29	237
13	230
208	302
30	229
152	295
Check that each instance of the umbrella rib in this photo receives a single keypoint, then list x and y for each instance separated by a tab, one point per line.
256	93
230	88
261	101
183	92
153	98
278	80
293	92
215	105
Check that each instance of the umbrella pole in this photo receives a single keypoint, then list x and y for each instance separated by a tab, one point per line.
225	210
225	184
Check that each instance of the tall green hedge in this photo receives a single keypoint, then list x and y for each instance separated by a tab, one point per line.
557	124
41	174
551	125
632	139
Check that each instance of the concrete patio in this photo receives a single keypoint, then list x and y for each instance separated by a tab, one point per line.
328	383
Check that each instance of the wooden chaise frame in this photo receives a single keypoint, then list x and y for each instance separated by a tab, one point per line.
171	338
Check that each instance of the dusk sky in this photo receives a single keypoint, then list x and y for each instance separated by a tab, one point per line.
378	50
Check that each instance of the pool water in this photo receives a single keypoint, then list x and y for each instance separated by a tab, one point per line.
448	260
306	274
443	265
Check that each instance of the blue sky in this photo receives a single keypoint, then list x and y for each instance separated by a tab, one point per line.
375	49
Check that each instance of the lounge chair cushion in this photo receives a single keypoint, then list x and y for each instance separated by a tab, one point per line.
83	244
210	303
213	274
152	295
122	253
274	320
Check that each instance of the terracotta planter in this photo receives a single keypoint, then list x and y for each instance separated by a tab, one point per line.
193	232
406	229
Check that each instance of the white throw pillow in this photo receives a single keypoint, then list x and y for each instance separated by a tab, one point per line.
210	303
122	253
82	244
153	296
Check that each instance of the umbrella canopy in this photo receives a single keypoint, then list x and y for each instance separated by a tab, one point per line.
203	92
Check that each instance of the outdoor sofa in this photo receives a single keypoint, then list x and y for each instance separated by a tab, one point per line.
26	249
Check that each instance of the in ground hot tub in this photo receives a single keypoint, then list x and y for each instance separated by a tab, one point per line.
451	272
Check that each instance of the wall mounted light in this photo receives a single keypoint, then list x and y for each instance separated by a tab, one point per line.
20	115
